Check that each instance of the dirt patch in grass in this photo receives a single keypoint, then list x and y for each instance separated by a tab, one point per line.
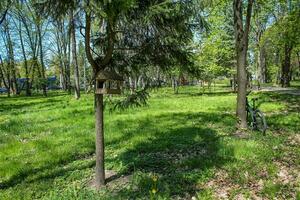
113	181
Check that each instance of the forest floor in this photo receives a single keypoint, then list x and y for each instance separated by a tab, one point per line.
180	146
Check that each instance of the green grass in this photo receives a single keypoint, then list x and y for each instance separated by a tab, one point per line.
47	146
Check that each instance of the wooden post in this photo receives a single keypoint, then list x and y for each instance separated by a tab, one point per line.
100	171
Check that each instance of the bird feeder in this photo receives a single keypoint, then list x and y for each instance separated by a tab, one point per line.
108	82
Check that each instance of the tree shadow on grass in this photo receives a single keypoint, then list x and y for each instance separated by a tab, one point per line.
8	105
48	171
288	117
182	148
208	93
181	155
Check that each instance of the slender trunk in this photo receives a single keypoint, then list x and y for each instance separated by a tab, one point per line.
100	172
285	68
74	58
233	83
262	65
28	91
175	85
33	44
69	61
2	76
139	81
65	41
135	83
277	62
13	85
131	84
158	77
298	58
42	72
84	75
61	57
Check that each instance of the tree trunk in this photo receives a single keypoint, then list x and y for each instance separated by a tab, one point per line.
158	77
84	76
74	57
233	83
12	69
241	90
27	85
298	58
100	173
241	46
97	66
262	77
175	85
43	75
285	68
2	75
62	80
131	84
68	70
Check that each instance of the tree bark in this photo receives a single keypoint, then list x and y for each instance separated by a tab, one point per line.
298	58
59	40
27	84
2	74
100	172
84	75
262	71
241	40
12	69
175	85
43	75
68	70
74	58
286	66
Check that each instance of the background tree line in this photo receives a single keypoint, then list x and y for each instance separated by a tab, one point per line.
201	47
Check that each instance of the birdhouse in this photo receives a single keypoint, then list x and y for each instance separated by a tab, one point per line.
108	82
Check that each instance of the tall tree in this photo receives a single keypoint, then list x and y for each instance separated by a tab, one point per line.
11	57
42	68
19	26
241	29
74	57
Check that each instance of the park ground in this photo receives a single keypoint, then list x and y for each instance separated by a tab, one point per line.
179	146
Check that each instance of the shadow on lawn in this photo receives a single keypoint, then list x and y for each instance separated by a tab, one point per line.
208	93
182	148
8	104
181	154
283	119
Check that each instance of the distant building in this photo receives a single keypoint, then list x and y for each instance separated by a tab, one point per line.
51	83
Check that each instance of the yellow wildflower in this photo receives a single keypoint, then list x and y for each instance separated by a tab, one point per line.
154	191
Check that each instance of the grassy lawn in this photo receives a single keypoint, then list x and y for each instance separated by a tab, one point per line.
47	146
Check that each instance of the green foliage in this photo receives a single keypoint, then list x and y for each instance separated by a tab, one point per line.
137	99
215	57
